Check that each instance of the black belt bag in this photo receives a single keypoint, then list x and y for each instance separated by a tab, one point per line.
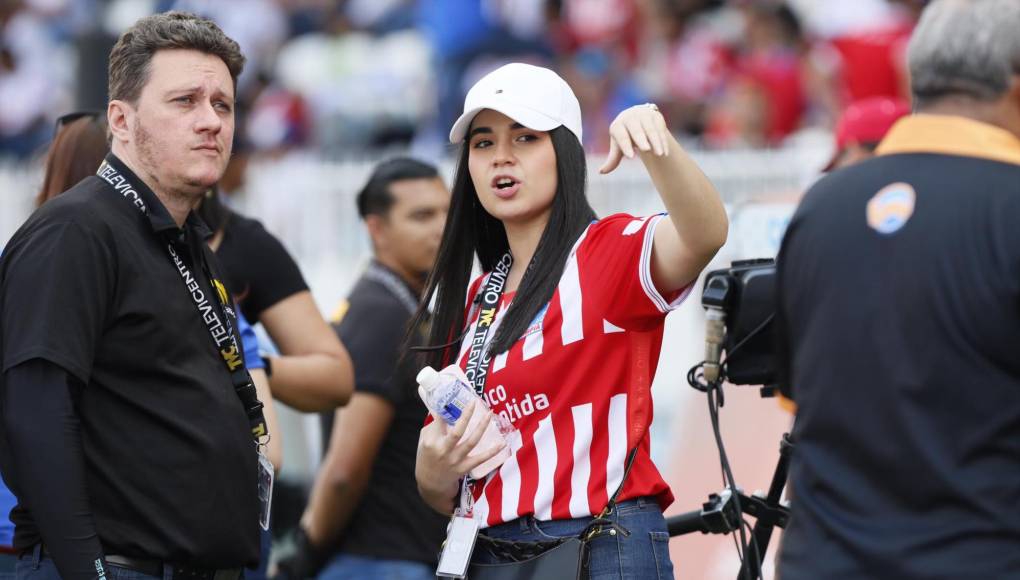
562	559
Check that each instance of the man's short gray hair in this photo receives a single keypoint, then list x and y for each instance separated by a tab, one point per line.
969	48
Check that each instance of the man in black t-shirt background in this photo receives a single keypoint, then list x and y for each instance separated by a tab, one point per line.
128	416
365	519
898	324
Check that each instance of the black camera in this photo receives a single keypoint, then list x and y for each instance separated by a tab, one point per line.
745	295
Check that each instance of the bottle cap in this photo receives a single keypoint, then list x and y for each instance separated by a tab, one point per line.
427	377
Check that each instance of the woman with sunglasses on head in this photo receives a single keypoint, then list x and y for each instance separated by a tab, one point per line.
79	145
576	338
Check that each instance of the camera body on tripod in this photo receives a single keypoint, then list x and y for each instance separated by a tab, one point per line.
744	294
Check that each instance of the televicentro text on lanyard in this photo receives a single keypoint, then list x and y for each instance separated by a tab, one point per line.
221	332
479	355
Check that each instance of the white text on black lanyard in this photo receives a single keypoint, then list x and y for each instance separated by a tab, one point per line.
479	357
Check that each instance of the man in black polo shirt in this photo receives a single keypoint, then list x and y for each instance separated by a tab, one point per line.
899	320
365	515
125	440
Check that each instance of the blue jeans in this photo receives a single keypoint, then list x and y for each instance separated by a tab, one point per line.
643	554
352	567
35	566
8	563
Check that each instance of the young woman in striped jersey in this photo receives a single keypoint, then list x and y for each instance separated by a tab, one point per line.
576	339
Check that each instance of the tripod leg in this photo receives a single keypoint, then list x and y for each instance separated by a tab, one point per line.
761	534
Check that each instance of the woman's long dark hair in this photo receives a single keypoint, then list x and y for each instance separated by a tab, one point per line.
471	230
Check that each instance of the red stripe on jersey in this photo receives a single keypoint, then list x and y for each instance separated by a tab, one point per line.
527	462
598	497
564	466
494	496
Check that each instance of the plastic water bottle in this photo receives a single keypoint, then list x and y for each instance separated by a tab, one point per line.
448	394
445	394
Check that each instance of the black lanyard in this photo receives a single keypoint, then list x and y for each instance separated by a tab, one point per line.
379	273
210	311
479	357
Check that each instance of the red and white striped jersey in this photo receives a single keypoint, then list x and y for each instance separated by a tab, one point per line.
577	385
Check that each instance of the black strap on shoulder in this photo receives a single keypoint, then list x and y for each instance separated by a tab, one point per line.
397	287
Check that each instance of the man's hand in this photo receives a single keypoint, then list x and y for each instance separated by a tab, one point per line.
306	562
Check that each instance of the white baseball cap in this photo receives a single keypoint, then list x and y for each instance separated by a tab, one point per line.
533	96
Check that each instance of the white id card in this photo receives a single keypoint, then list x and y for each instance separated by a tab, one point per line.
460	542
265	489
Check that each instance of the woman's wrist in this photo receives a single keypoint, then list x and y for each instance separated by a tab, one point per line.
442	499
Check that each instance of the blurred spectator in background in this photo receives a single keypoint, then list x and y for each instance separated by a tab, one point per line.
470	38
315	370
79	145
30	84
694	65
862	126
259	26
365	519
604	83
862	43
772	87
365	75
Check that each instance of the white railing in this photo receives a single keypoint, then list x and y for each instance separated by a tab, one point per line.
309	202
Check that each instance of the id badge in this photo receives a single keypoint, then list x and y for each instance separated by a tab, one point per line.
460	542
265	489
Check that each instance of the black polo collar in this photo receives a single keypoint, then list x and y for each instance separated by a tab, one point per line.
124	181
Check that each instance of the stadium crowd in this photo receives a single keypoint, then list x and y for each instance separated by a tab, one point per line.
358	75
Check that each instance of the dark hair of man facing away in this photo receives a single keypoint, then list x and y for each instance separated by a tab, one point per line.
375	198
130	58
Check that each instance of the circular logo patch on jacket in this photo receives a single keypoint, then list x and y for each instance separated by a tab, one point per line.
891	207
